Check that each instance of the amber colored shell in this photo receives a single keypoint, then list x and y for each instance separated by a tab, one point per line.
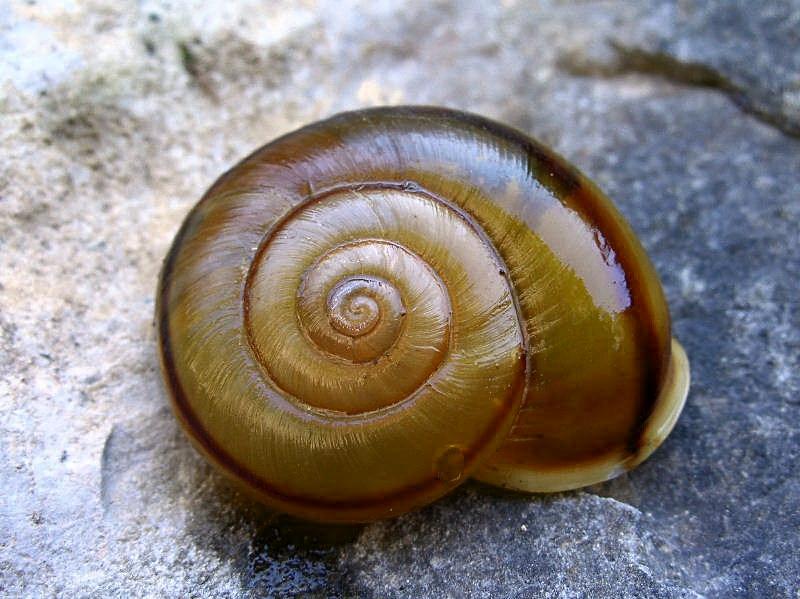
367	311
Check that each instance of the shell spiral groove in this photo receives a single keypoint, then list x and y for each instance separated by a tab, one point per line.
367	311
352	323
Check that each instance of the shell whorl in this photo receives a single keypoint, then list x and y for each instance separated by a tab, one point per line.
367	332
351	301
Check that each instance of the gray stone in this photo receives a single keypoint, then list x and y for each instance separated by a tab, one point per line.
746	50
116	117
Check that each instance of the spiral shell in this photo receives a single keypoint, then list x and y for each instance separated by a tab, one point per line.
367	311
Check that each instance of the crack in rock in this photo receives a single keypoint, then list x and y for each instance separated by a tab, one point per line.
635	60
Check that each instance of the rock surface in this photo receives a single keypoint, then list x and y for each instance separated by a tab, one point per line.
117	115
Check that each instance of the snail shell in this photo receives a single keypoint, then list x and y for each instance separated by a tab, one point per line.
367	311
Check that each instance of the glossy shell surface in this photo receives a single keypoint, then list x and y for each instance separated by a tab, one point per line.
369	310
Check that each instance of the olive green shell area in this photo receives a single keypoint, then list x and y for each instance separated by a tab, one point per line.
367	311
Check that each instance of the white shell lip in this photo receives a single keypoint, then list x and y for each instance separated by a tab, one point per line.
670	403
658	427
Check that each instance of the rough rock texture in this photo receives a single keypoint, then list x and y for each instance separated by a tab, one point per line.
117	115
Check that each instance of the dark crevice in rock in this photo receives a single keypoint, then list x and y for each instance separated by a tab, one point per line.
191	63
634	60
105	469
661	64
